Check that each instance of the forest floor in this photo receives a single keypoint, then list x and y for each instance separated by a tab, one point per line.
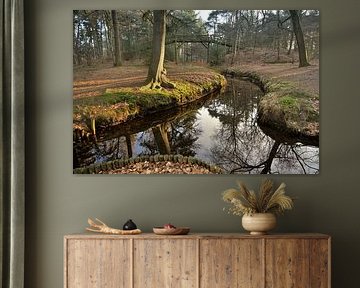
94	80
305	78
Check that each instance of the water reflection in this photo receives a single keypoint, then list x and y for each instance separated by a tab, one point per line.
173	131
220	129
176	137
240	146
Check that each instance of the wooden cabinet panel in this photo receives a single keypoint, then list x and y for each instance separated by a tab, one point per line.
231	263
197	261
165	263
287	263
297	263
98	264
319	263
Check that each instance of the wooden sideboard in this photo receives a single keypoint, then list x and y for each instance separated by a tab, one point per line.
197	261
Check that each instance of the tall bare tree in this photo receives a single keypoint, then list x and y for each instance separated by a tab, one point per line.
299	38
157	74
117	41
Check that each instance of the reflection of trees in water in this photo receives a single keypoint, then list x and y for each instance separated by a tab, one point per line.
237	104
241	147
82	154
238	145
240	150
89	152
298	159
184	134
179	136
236	110
265	157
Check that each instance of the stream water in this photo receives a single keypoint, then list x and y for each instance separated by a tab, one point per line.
220	129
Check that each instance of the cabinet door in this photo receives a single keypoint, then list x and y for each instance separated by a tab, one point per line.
231	263
320	263
98	263
287	263
165	263
297	263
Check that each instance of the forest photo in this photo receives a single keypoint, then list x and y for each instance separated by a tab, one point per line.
196	91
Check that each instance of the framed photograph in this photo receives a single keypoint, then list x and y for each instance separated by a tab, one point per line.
196	91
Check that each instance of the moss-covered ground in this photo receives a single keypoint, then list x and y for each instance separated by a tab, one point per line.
103	105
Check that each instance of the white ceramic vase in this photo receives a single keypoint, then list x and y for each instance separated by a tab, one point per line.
259	223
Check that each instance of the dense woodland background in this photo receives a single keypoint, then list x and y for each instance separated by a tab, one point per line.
225	37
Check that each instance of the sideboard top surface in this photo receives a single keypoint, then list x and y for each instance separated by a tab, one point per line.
199	236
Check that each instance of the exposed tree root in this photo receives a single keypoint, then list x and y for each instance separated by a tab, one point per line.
163	83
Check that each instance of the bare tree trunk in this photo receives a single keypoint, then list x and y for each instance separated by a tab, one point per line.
176	52
157	74
268	163
129	145
299	38
100	39
161	138
117	42
256	32
291	43
75	44
278	33
236	39
208	53
109	35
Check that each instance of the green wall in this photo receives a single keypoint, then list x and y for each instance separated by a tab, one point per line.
59	203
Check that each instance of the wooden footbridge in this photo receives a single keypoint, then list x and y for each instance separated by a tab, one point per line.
206	40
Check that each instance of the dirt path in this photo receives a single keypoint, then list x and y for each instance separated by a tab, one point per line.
305	78
93	81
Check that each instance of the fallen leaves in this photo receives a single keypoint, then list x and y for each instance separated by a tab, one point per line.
161	167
